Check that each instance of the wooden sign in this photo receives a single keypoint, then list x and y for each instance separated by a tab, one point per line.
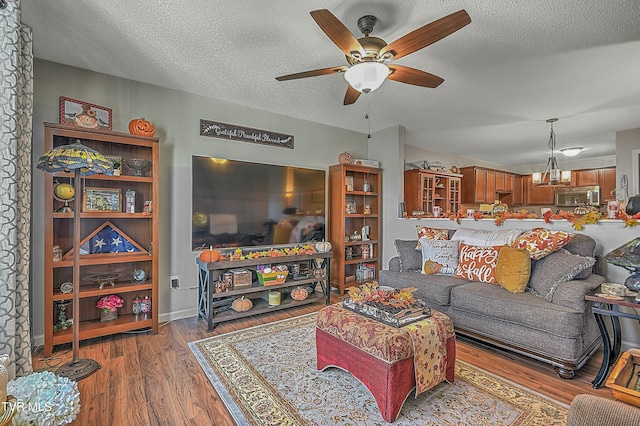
244	134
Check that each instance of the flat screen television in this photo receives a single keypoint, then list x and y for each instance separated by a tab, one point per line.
239	204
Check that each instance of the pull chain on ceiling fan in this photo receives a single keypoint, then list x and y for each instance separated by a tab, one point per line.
368	55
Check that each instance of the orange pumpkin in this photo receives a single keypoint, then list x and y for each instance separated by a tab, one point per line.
241	305
345	158
210	255
141	127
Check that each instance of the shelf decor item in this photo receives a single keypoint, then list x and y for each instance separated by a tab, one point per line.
108	306
138	165
84	114
84	161
64	193
141	127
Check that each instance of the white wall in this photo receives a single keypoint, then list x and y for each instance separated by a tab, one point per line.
176	116
627	142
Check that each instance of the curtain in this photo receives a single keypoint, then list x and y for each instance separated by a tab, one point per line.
16	107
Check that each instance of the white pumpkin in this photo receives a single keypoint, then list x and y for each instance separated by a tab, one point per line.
323	246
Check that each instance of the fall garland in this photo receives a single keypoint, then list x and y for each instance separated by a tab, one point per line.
577	220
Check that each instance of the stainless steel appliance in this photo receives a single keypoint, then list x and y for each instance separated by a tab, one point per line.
573	196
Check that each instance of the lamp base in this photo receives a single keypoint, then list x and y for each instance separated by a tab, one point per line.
78	369
633	281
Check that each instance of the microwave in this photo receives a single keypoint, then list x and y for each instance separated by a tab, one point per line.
574	196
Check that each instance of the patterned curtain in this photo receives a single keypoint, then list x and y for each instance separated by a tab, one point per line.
16	107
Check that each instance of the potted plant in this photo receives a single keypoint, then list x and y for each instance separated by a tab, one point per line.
117	165
109	307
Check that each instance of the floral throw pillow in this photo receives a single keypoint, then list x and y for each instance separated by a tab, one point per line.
541	242
431	234
477	263
439	257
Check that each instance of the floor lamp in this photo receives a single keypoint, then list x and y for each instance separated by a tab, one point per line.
84	161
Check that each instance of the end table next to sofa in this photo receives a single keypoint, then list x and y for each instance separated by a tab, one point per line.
608	307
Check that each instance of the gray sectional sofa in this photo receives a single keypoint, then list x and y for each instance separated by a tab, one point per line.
561	331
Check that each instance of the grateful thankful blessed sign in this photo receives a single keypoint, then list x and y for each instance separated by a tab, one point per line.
244	134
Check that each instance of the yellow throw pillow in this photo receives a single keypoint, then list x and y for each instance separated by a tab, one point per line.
513	269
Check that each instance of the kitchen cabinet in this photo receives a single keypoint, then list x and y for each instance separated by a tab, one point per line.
587	177
355	223
102	272
481	185
538	195
518	191
425	189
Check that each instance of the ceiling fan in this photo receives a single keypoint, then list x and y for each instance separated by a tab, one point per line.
368	56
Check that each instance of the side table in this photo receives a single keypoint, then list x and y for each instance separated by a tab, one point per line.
605	307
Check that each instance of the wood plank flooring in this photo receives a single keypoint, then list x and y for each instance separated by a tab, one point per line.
150	379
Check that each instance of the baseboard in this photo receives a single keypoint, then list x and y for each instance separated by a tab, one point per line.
38	340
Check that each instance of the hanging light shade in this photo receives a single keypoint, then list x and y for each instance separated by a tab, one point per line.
556	176
366	77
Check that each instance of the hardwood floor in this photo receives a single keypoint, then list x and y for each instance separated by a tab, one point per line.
150	379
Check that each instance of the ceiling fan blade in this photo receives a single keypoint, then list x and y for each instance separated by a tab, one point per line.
351	96
312	73
413	76
429	34
337	32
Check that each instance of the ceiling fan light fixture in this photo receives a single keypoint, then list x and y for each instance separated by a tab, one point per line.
366	77
571	152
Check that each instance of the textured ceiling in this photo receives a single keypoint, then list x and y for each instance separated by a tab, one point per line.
518	63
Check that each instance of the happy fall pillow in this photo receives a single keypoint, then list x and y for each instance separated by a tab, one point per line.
477	263
439	257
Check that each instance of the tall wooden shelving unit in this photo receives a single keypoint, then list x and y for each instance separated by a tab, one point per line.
347	272
140	228
425	189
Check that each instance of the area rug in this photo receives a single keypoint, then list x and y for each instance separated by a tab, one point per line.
266	375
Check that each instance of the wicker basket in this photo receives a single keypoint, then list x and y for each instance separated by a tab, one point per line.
107	316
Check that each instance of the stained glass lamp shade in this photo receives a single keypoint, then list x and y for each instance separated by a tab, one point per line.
628	257
83	161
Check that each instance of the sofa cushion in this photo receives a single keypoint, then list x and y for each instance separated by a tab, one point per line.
477	263
495	302
410	258
433	289
541	242
478	237
513	269
554	269
439	257
431	234
582	245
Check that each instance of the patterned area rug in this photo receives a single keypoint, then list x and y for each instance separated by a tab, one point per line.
267	375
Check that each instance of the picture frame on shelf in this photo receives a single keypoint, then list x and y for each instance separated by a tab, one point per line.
350	204
102	199
348	183
83	114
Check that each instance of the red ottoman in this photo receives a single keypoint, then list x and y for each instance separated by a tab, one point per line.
380	356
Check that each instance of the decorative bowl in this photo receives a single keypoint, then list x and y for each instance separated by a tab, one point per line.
138	165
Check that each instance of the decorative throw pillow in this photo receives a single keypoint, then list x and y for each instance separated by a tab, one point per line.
541	242
554	269
481	238
439	257
431	234
410	258
513	269
477	263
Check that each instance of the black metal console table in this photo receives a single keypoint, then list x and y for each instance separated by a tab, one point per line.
208	273
605	307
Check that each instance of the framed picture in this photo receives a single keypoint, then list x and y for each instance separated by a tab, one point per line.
350	207
116	161
102	200
84	114
348	183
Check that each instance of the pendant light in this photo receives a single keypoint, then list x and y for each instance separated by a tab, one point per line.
556	176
